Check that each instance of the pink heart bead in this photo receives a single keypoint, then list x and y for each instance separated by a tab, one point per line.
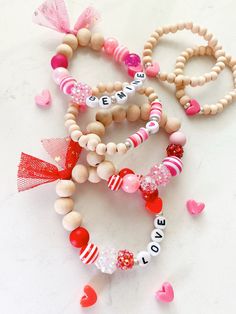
44	99
194	208
132	70
194	108
153	69
166	293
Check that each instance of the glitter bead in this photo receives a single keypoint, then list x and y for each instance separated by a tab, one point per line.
161	174
80	92
175	150
132	59
106	261
149	195
124	171
148	184
131	183
125	260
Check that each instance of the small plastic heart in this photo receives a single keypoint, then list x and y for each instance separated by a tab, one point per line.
43	100
89	298
166	293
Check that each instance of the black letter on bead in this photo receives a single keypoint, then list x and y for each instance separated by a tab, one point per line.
121	94
161	222
144	261
92	98
105	101
155	248
158	235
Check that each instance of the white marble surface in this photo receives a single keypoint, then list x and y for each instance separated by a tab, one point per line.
39	271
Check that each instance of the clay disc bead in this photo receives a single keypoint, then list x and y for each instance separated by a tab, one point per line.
105	170
63	205
65	188
94	159
133	113
65	50
93	176
118	113
71	41
172	125
97	41
71	221
80	173
96	128
145	111
84	36
104	116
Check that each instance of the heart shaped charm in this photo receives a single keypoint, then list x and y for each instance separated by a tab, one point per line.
43	100
154	206
166	293
132	70
89	298
195	208
153	69
194	108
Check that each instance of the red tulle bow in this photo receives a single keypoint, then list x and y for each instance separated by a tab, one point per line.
33	171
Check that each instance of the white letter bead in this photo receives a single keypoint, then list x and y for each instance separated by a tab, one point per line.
137	84
105	102
160	222
92	101
129	90
143	258
157	235
140	76
154	248
152	126
121	97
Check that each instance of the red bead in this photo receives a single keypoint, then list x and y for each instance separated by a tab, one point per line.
154	206
89	253
59	61
175	150
79	237
123	172
125	260
115	182
148	196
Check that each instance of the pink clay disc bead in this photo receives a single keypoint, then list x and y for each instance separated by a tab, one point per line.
58	61
59	74
130	183
178	138
110	45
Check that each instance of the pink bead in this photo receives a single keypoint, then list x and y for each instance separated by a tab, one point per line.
178	138
133	70
132	60
153	69
130	183
59	74
110	45
58	61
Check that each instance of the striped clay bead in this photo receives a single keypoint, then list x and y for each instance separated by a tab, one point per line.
115	182
174	164
139	137
120	53
89	253
67	84
156	110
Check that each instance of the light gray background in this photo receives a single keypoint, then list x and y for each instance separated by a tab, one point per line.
39	270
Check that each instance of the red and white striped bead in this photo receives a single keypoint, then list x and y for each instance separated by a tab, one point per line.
115	182
174	164
120	53
67	84
89	253
156	110
139	137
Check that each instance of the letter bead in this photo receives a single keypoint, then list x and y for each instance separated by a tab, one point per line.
152	126
154	248
157	235
105	102
121	97
143	258
140	76
160	222
129	90
137	84
92	101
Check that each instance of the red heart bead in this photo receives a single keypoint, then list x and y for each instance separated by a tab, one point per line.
154	206
89	298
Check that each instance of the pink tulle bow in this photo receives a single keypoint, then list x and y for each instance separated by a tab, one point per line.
53	14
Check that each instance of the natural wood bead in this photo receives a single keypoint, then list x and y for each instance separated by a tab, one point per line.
69	123
181	26
189	25
179	93
96	128
110	87
152	97
80	173
84	36
102	87
75	135
163	76
220	107
194	81
83	140
133	113
229	98
111	148
105	170
171	77
202	31
153	41
163	120
95	91
93	159
160	31
72	109
214	76
69	116
172	125
184	100
104	116
148	45
63	205
145	111
148	91
147	52
206	109
93	176
178	72
224	102
65	50
214	109
118	113
71	221
118	86
93	141
73	127
97	41
65	188
71	41
101	149
147	59
121	148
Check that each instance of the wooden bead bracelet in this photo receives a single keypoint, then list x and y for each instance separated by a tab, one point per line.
153	70
192	106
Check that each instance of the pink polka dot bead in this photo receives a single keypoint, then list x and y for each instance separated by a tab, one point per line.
178	138
174	164
58	74
130	183
59	60
110	45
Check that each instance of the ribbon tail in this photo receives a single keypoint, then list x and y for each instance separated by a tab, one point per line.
87	19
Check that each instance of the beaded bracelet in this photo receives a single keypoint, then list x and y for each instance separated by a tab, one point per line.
192	106
153	70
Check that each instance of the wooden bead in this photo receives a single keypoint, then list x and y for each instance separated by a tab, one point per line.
69	116
71	41
163	120
121	148
97	41
75	135
69	123
93	159
73	127
84	36
83	140
93	141
118	86
152	97
145	111
80	173
72	109
96	128
172	125
118	113
148	91
101	149
104	116
110	87
102	87
65	50
105	170
133	113
93	176
111	148
63	205
71	221
65	188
